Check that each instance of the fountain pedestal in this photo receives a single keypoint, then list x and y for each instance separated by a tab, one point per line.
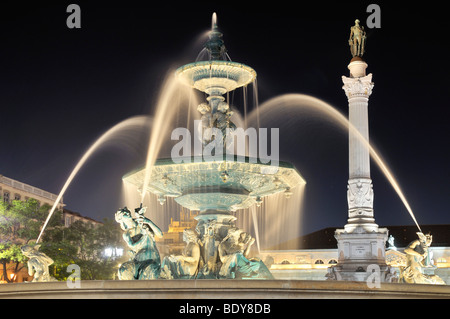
212	227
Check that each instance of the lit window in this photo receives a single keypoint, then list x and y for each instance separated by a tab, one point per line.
113	252
441	260
6	197
108	252
119	252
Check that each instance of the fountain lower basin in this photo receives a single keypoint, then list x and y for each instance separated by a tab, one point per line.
201	184
227	289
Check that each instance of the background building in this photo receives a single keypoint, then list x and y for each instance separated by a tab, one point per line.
309	257
11	189
69	217
172	241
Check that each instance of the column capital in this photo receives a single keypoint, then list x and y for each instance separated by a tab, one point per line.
358	87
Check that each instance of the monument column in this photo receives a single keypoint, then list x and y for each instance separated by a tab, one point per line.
358	88
361	243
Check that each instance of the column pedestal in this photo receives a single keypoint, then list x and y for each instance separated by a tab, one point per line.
359	253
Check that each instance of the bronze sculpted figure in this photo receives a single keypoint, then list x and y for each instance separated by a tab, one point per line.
416	260
185	266
357	40
139	234
233	253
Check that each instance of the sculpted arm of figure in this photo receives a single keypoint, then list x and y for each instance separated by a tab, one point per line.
249	246
155	228
350	40
193	254
410	249
158	232
222	251
128	239
31	269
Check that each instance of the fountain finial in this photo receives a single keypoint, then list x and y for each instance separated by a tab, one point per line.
215	45
214	21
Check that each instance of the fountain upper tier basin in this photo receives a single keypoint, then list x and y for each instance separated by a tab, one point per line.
216	77
199	184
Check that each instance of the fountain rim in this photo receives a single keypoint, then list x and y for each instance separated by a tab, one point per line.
210	63
226	158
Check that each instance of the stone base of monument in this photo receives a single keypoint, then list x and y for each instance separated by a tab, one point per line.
361	252
222	289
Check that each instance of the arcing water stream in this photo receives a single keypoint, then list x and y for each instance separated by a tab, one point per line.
133	123
279	105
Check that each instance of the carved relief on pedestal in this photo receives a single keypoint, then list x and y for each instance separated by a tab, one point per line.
360	194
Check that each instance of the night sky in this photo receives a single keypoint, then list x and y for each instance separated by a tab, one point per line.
62	88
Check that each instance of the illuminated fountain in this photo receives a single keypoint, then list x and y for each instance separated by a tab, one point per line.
219	182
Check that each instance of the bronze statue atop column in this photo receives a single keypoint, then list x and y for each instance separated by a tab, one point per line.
357	40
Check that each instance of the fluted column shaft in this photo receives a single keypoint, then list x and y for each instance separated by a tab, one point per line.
360	190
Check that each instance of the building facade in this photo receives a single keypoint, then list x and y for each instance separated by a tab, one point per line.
172	241
69	217
309	257
11	189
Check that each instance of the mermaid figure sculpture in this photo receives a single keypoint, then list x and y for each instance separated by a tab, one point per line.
186	265
233	253
139	234
416	261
